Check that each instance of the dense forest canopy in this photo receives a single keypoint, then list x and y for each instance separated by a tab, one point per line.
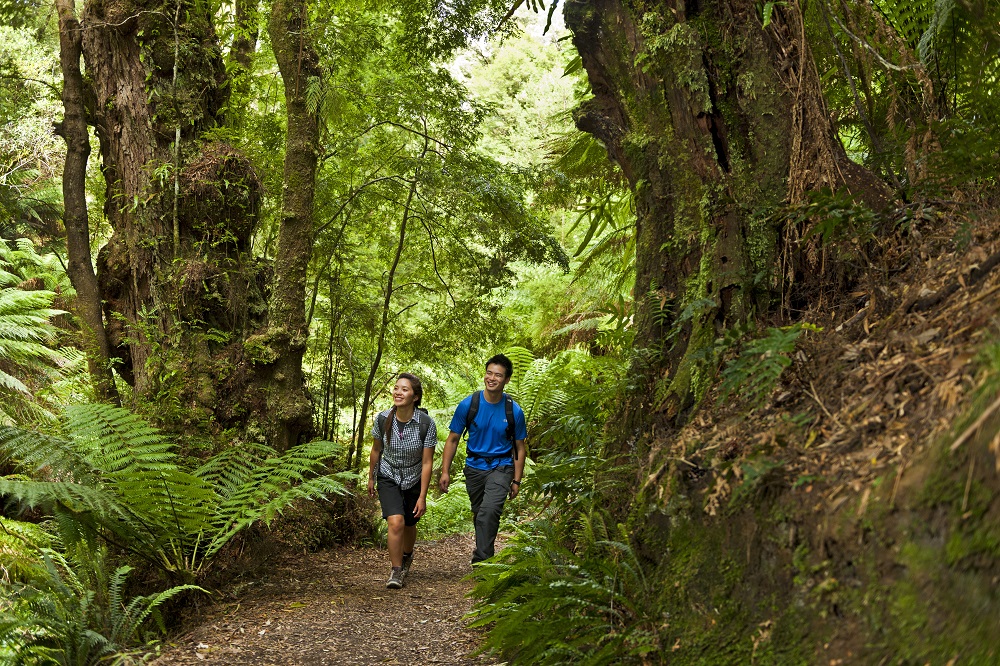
225	228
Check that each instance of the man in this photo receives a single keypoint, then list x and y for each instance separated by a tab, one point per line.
494	466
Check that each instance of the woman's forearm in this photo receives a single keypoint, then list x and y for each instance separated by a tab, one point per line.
373	458
426	471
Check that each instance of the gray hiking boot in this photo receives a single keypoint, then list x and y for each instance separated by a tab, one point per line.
407	561
395	581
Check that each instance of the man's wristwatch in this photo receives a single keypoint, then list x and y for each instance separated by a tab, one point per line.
515	481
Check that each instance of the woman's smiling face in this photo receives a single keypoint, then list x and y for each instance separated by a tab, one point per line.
402	393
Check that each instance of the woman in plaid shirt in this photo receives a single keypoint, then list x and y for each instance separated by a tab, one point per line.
401	461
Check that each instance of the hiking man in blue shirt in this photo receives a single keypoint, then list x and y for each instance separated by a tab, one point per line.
494	466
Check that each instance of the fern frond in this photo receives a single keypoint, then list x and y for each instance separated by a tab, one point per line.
73	496
34	451
117	441
274	484
81	511
20	546
522	359
228	470
127	619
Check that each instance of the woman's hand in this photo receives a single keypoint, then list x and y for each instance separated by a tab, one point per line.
420	508
371	486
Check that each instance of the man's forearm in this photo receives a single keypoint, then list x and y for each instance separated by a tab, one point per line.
520	460
450	448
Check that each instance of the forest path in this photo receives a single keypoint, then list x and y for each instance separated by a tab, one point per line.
332	607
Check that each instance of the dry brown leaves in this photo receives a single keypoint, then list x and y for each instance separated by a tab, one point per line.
332	607
870	392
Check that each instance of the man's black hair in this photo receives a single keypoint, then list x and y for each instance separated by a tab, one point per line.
500	359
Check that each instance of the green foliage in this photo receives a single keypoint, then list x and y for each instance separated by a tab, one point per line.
755	371
914	87
27	357
534	384
112	475
20	547
73	611
836	220
447	513
29	152
548	602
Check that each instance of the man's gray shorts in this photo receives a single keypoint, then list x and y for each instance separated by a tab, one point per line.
488	491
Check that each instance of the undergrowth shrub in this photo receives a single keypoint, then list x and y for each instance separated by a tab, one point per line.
110	474
555	596
755	371
72	609
447	513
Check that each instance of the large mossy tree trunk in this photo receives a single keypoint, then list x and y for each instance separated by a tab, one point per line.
182	290
715	120
287	330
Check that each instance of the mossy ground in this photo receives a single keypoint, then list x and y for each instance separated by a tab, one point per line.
834	525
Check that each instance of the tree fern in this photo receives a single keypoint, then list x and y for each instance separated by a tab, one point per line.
115	476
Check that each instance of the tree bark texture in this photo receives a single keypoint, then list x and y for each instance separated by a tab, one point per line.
362	429
287	332
80	267
240	59
714	119
181	288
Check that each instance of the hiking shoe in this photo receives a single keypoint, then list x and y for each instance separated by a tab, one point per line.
407	561
395	581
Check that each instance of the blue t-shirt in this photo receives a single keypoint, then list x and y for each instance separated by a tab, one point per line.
488	433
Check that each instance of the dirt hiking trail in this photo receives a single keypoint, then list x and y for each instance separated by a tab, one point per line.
332	607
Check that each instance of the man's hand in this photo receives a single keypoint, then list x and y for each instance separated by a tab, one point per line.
371	487
444	481
514	489
420	508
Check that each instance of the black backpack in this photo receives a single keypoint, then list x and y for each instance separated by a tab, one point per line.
423	421
508	405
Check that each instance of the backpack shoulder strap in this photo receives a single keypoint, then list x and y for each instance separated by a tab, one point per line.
508	405
470	416
424	423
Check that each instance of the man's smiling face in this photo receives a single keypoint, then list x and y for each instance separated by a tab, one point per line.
496	377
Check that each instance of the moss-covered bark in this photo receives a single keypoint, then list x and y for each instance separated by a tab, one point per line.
715	120
287	331
181	288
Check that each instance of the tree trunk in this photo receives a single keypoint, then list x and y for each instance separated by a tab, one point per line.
240	59
287	331
361	430
80	267
713	119
181	288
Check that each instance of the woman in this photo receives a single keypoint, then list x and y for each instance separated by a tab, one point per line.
402	458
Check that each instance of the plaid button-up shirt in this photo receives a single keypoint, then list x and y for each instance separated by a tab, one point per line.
402	459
